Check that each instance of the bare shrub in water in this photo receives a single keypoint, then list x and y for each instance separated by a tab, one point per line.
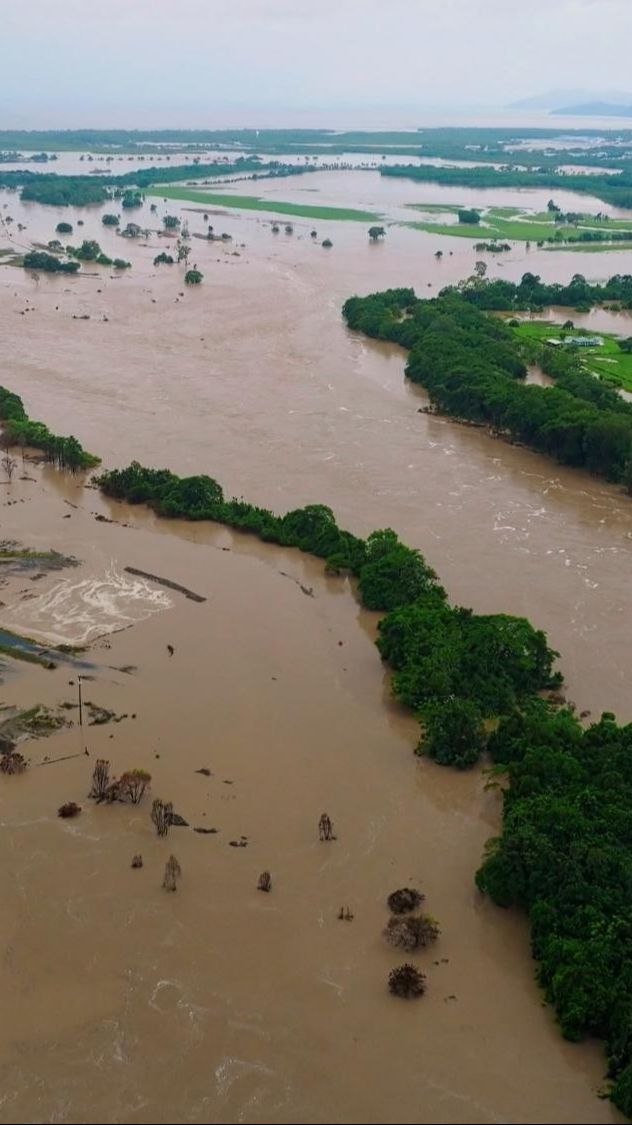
173	872
100	779
264	883
161	816
325	828
132	785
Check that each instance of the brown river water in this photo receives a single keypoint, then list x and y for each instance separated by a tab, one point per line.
220	1003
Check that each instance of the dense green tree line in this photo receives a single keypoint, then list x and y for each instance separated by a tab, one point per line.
531	293
565	856
438	652
81	190
17	427
615	188
49	263
473	368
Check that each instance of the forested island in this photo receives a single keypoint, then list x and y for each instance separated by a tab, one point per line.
473	367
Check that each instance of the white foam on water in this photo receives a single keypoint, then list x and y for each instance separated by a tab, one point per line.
74	612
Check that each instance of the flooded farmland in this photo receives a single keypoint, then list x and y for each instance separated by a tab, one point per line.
220	1003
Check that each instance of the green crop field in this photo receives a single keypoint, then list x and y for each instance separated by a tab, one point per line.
255	203
510	224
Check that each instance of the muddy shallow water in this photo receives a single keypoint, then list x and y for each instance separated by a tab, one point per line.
220	1003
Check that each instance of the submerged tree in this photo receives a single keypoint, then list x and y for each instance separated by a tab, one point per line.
161	815
12	762
406	981
326	243
412	932
9	464
132	785
173	871
404	900
264	882
325	828
100	779
375	233
193	277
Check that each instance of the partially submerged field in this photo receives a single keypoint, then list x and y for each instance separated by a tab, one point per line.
256	203
515	224
606	360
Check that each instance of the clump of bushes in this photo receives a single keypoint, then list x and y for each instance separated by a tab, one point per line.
12	762
163	258
404	900
415	931
193	277
64	228
406	981
41	260
69	810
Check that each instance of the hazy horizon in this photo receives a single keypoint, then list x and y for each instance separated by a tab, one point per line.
225	63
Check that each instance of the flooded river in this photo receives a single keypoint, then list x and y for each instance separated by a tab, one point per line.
220	1003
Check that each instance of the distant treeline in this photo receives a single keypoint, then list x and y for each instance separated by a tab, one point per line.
565	852
17	427
81	190
449	143
531	293
473	368
615	189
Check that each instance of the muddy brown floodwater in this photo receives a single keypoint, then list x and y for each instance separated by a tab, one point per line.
219	1003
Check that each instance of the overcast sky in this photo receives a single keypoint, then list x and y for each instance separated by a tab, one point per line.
286	62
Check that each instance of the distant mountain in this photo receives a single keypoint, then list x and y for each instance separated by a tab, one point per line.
596	109
578	101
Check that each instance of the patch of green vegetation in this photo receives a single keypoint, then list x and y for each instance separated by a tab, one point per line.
514	224
65	452
255	203
452	208
13	553
606	360
17	653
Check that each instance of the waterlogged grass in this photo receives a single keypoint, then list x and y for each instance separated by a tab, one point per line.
591	247
510	224
452	208
606	360
256	203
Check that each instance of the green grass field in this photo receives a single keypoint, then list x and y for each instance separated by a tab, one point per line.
255	203
607	361
510	224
